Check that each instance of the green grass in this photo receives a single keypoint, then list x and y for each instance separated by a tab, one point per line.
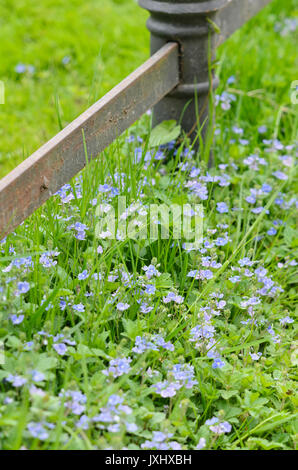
252	391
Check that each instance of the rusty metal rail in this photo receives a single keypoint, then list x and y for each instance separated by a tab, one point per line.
38	177
170	80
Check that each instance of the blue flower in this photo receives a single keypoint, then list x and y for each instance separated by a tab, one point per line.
65	60
76	401
122	306
23	287
16	380
114	428
38	431
245	262
60	348
20	68
131	427
142	344
115	400
151	271
172	297
83	422
222	207
251	199
220	241
262	129
218	427
166	389
145	308
118	367
272	231
266	188
46	261
231	79
150	289
218	363
83	275
37	376
17	319
286	320
255	356
79	307
280	175
201	444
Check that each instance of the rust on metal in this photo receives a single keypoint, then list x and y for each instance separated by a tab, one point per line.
38	177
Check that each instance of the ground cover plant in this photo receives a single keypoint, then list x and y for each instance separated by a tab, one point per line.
154	344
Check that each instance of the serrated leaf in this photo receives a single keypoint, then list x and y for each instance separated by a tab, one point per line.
164	133
226	394
258	442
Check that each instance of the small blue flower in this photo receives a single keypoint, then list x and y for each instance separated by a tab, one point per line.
150	289
218	363
262	129
16	380
20	68
255	356
122	306
222	207
286	320
79	307
60	348
218	427
37	376
231	79
23	287
280	175
17	319
118	367
201	444
151	271
65	60
272	231
83	275
83	422
38	431
131	427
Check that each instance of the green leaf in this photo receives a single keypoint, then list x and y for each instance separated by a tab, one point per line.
45	363
164	133
226	394
214	25
132	328
259	443
289	234
157	418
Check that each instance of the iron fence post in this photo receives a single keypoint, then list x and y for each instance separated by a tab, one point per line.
186	22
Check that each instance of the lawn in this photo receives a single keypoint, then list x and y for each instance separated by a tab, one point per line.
130	343
59	58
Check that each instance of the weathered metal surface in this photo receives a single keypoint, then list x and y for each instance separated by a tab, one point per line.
186	21
30	184
235	14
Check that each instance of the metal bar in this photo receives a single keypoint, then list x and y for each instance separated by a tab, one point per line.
187	22
184	21
237	12
38	177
